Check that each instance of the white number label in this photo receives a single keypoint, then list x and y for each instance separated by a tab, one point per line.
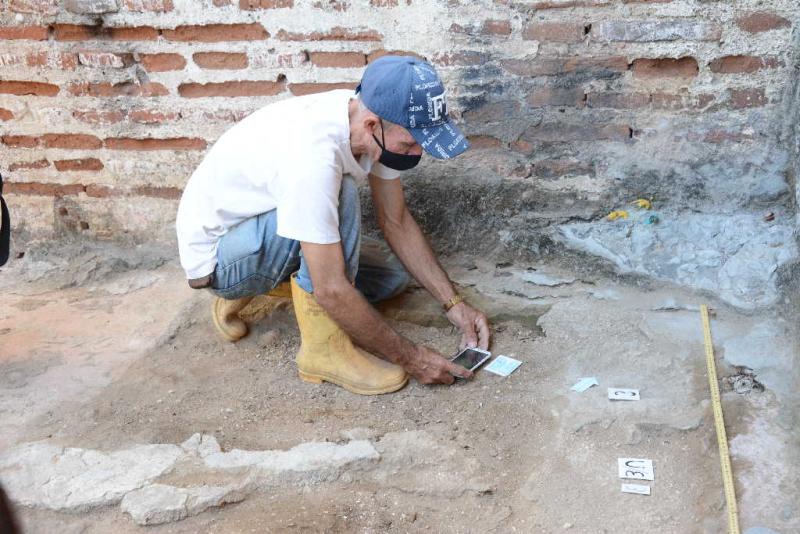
636	468
623	394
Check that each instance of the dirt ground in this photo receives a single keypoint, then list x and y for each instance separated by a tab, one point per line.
106	348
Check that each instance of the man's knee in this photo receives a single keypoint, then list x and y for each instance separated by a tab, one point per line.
396	281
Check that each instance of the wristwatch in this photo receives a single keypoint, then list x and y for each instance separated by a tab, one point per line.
452	302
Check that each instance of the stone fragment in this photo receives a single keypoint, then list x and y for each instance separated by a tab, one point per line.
155	504
201	445
735	256
541	279
43	475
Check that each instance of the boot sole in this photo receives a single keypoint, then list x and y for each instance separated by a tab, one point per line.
319	379
220	328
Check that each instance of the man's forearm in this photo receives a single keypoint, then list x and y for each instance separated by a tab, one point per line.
412	248
365	326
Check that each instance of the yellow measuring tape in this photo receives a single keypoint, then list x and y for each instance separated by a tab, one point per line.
719	423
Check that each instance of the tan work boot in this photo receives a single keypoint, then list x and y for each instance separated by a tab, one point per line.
226	312
327	353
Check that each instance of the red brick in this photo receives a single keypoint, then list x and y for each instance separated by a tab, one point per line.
299	89
75	32
761	22
6	114
179	143
335	5
383	3
682	101
91	116
226	115
231	89
148	6
560	132
171	193
375	54
618	100
152	116
685	67
747	98
20	141
104	191
35	7
105	89
558	32
555	66
338	59
104	59
479	142
496	27
265	4
71	141
465	58
743	64
667	101
554	168
334	34
562	4
550	96
23	165
100	191
722	136
162	62
52	59
85	164
41	189
703	100
220	60
28	88
215	33
524	147
222	3
30	33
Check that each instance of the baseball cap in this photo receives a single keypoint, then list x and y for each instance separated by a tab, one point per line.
407	91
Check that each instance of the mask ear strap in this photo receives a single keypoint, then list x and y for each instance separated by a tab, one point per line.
383	139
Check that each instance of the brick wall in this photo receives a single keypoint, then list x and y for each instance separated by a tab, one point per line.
572	106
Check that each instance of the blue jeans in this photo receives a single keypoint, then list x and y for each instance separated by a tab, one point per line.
252	258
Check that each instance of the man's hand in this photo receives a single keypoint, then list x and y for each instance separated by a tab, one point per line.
473	324
430	367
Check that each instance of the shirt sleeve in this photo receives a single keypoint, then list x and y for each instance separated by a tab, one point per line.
308	200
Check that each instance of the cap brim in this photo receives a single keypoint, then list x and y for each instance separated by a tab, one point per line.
444	141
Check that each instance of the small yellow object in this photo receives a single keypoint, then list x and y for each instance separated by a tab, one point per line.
617	214
643	203
452	302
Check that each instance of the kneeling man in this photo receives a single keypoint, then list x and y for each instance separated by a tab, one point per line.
276	200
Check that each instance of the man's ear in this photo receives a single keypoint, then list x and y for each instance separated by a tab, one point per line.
370	122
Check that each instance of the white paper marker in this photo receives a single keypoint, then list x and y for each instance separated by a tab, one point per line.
503	365
636	468
623	394
639	489
584	384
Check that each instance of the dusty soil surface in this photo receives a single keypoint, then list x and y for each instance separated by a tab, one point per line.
101	350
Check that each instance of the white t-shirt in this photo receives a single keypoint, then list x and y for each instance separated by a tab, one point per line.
289	156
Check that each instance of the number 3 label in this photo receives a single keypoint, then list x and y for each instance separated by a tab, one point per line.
636	468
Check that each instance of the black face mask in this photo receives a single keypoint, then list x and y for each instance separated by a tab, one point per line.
393	160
